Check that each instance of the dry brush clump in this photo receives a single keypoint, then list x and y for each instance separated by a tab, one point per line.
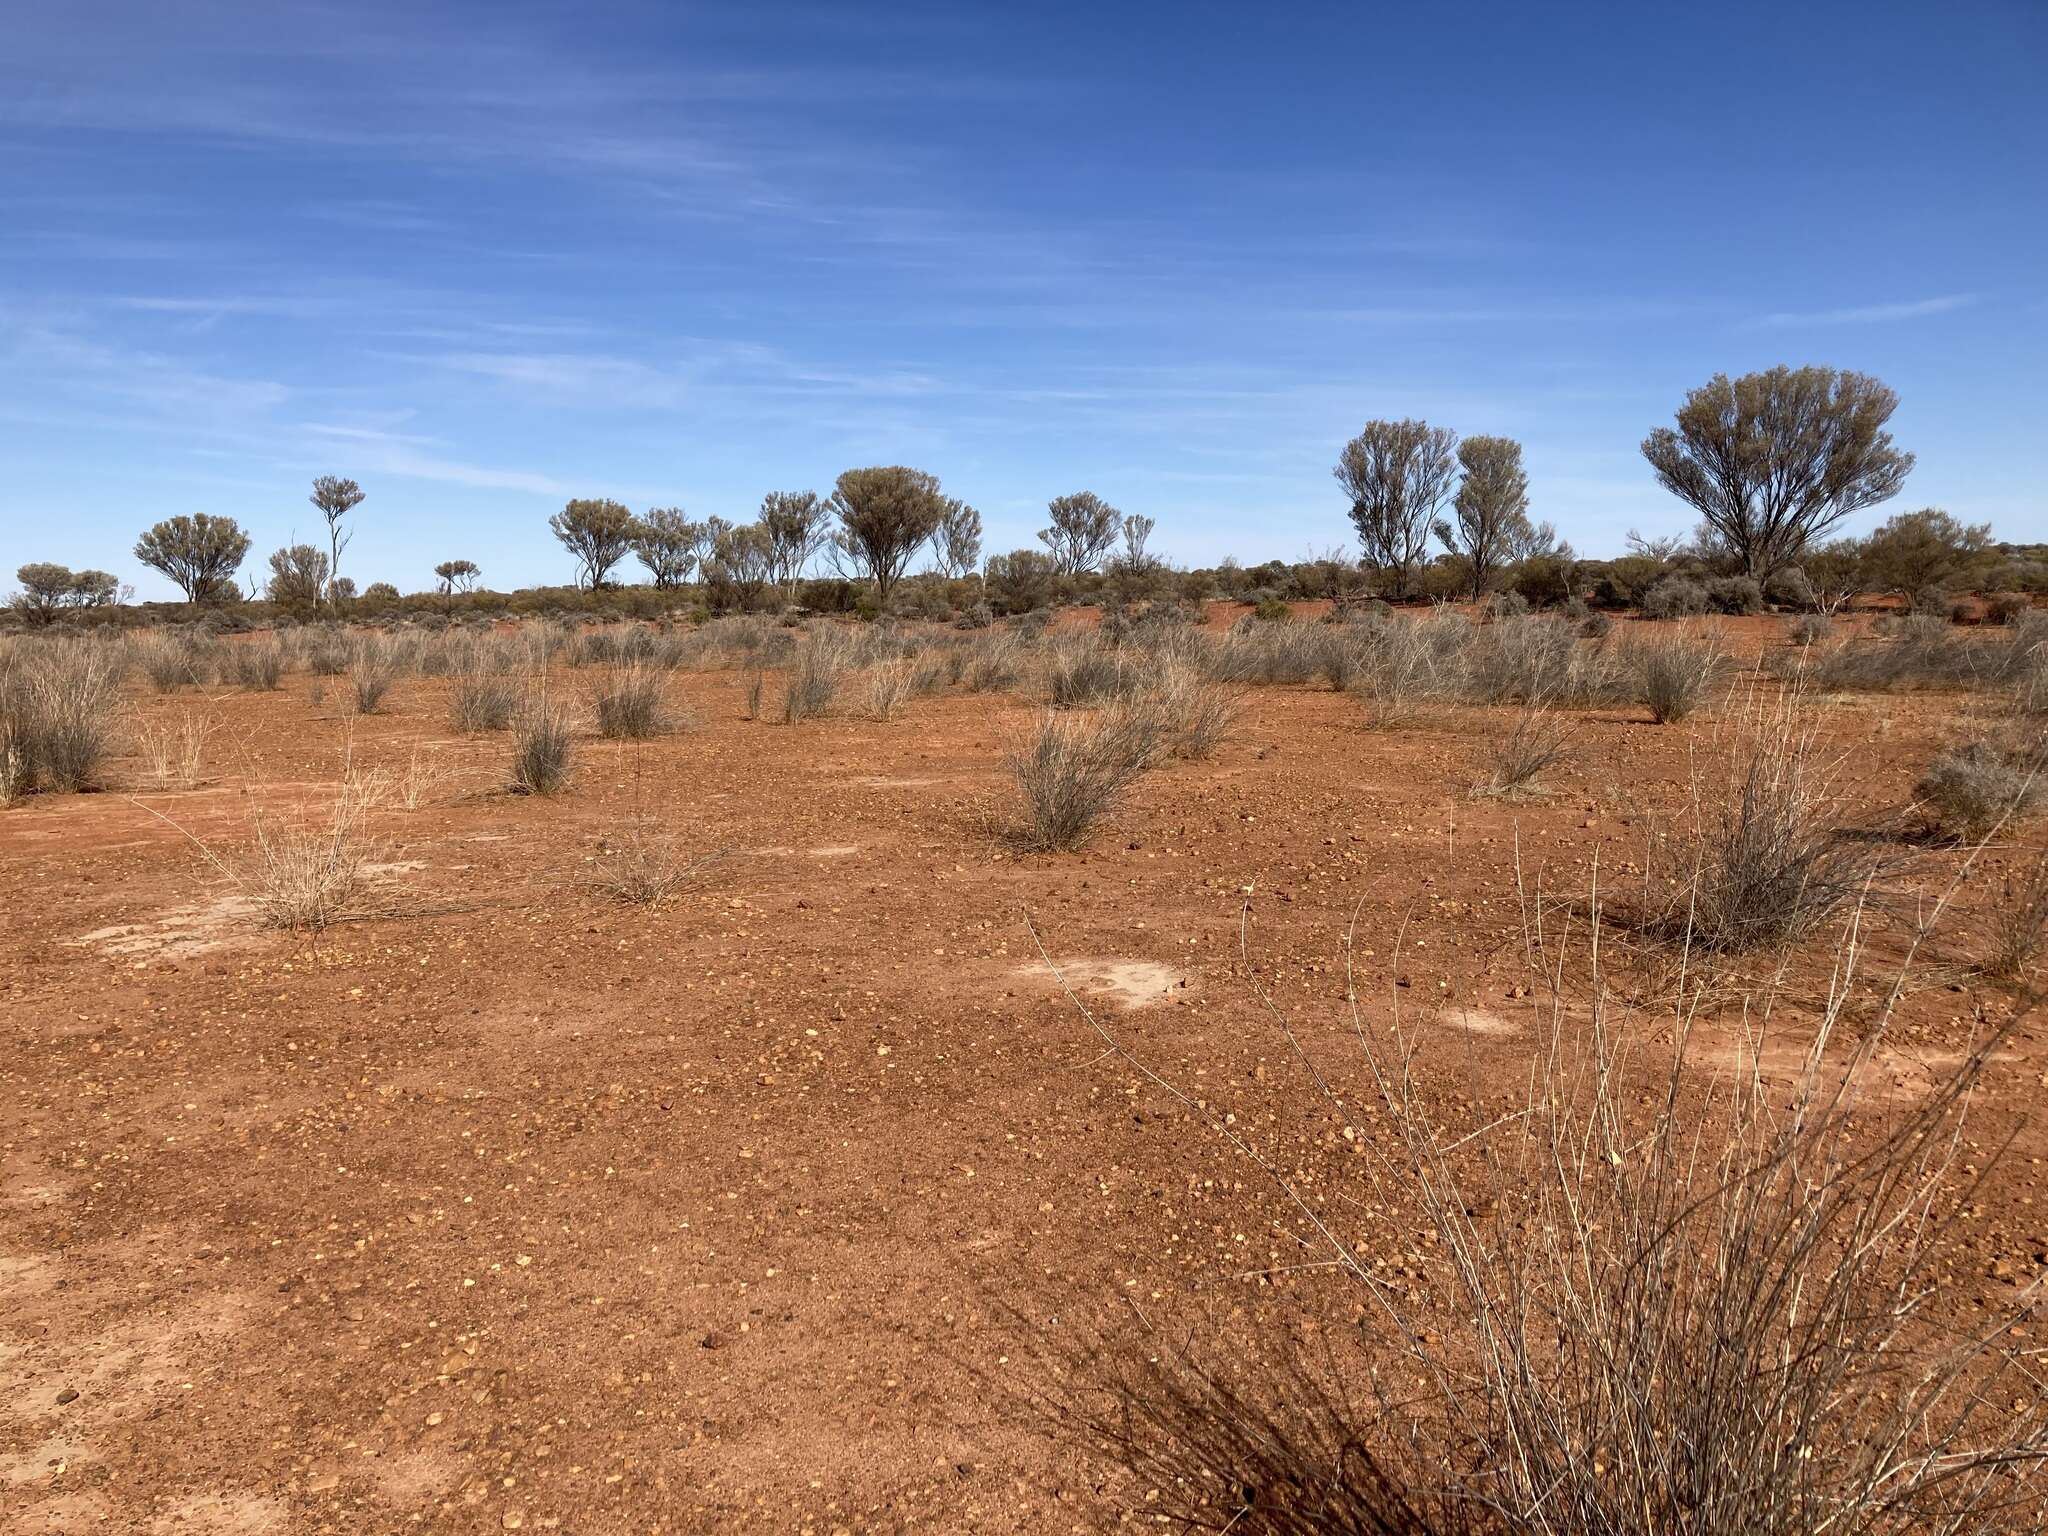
1674	674
1665	1291
542	749
1193	715
173	752
816	669
1084	671
643	863
2016	921
1539	660
481	697
304	876
258	665
1516	762
1969	791
374	665
1411	663
1763	857
59	703
629	701
1072	769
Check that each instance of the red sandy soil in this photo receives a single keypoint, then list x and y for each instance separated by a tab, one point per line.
510	1206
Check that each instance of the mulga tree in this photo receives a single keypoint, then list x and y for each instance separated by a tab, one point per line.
1082	530
796	524
457	576
48	589
667	542
1134	571
958	542
298	576
1773	461
599	533
1489	521
1397	474
199	553
739	565
335	498
886	515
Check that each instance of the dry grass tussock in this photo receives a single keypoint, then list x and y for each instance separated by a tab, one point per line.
174	751
1072	769
2016	921
643	863
542	749
1971	791
1516	762
1761	856
303	872
1674	674
59	702
815	672
1664	1293
629	701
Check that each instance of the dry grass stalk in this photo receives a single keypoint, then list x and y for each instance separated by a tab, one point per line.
1073	769
422	779
541	750
305	877
2018	921
1660	1296
1517	761
174	751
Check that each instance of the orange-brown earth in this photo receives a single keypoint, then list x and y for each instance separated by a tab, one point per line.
507	1205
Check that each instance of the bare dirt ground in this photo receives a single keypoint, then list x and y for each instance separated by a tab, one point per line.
510	1206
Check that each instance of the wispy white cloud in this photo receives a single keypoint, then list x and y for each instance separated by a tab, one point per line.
394	453
1866	314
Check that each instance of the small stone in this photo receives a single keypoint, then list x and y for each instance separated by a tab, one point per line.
68	1395
711	1341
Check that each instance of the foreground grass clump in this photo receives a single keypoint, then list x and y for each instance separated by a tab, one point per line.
1517	761
1969	791
1072	770
1674	675
58	706
1632	1308
630	702
480	699
304	877
814	676
1764	858
541	751
374	665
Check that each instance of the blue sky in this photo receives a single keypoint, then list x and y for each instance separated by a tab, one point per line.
485	257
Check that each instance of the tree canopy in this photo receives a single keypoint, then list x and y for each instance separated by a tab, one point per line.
1084	528
885	515
199	553
599	533
1775	460
1397	474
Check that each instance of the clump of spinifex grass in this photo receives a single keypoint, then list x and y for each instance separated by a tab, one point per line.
1969	791
1667	1292
1674	674
1517	761
1763	858
630	701
541	750
1071	769
58	705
